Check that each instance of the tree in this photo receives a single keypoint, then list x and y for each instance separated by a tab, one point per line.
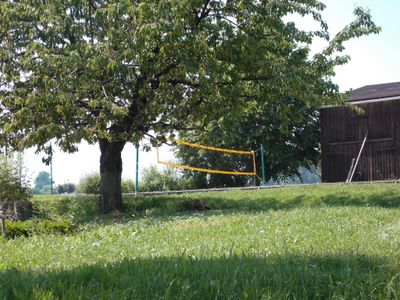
66	188
111	71
42	181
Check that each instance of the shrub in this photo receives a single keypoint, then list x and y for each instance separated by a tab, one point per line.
12	187
89	183
29	228
128	186
53	227
163	180
152	180
16	229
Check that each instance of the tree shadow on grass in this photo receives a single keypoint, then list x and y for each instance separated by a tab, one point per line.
253	202
82	209
162	206
287	276
387	199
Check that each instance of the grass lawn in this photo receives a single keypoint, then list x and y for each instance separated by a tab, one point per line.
314	242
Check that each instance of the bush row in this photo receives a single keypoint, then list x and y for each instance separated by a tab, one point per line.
90	184
33	227
152	179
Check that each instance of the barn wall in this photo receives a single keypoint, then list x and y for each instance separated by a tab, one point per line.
342	133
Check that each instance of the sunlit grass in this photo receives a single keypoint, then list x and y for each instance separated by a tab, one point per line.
338	242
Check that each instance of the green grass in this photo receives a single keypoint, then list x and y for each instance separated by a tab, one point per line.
317	242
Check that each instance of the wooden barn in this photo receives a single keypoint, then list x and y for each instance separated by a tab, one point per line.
363	147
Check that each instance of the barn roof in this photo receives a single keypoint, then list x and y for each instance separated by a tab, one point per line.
376	91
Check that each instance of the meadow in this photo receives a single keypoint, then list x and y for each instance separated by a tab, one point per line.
310	242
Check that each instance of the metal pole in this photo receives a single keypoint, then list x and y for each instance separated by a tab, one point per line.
137	171
20	167
263	182
254	168
3	224
6	152
51	174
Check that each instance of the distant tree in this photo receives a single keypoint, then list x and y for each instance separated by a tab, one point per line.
41	181
66	188
111	72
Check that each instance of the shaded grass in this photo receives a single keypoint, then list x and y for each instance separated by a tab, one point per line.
233	277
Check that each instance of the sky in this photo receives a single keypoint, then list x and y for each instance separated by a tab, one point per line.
374	60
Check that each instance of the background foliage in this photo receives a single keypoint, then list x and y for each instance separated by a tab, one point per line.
288	143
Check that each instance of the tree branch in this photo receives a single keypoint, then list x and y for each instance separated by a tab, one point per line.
204	12
183	82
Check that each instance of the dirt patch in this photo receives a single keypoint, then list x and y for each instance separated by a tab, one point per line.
194	205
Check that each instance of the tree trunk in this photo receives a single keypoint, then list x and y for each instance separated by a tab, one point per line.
110	173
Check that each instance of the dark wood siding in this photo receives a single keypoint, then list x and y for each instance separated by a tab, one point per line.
342	133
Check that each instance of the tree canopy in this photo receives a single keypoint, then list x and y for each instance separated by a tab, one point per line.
113	71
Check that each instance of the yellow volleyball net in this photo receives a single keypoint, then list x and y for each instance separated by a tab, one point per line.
250	154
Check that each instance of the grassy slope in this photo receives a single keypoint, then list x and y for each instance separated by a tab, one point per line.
300	243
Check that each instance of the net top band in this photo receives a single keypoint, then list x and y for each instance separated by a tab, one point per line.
211	148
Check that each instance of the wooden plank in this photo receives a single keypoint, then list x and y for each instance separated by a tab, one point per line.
350	170
360	141
358	157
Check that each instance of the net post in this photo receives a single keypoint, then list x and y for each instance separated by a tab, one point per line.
254	168
263	182
3	224
6	152
137	171
20	167
51	174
